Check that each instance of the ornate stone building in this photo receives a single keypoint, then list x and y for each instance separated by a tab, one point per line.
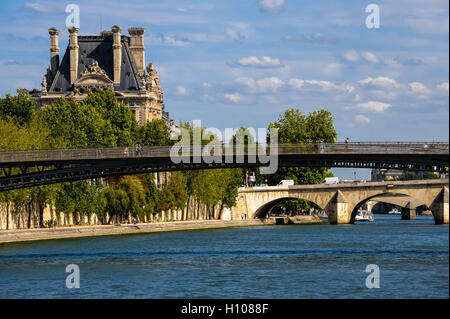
107	61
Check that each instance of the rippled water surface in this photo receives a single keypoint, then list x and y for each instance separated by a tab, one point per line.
317	261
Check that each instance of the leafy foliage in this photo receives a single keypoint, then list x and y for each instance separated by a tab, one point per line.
430	175
19	108
155	133
98	121
295	127
101	121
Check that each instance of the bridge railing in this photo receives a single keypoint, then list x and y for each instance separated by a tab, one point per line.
225	149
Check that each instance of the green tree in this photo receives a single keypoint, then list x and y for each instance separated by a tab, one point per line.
19	108
81	197
29	136
136	195
233	179
155	133
118	116
98	121
295	127
152	193
117	202
245	137
430	175
174	194
126	197
407	176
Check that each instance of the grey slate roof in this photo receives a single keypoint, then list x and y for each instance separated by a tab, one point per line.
99	48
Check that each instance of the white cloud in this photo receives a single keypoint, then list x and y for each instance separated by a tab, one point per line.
373	106
182	91
332	69
380	82
386	88
264	62
234	97
263	85
296	83
206	85
238	31
418	87
272	6
370	57
406	61
174	40
315	38
272	83
38	7
323	85
353	56
361	118
443	86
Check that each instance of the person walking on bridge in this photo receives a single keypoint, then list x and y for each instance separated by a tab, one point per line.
136	149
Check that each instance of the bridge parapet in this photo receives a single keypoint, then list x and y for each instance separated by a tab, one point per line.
393	148
347	185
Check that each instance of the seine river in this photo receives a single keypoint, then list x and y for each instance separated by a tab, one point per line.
317	261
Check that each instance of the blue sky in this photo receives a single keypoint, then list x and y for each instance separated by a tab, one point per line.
242	63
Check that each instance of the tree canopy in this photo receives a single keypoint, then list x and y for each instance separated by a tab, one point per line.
295	127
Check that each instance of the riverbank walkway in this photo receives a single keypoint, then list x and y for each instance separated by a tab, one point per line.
17	235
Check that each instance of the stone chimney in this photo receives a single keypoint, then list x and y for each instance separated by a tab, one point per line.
73	47
54	50
137	48
117	53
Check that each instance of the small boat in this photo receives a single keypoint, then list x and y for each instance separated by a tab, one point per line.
394	211
364	216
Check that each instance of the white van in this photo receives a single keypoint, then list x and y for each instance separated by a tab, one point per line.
331	180
286	182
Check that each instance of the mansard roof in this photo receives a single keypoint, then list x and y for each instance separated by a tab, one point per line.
99	48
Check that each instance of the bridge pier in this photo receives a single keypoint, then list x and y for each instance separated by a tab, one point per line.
408	212
440	207
338	209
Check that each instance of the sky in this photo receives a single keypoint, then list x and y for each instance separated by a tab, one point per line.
244	62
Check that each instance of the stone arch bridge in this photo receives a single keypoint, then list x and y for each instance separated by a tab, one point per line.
342	201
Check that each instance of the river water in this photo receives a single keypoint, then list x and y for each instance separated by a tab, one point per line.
304	261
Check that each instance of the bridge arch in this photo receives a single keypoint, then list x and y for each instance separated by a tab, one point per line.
408	203
341	201
265	208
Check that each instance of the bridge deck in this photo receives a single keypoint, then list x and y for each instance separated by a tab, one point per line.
344	185
397	148
19	169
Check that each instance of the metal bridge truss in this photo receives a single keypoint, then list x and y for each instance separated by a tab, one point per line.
29	174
